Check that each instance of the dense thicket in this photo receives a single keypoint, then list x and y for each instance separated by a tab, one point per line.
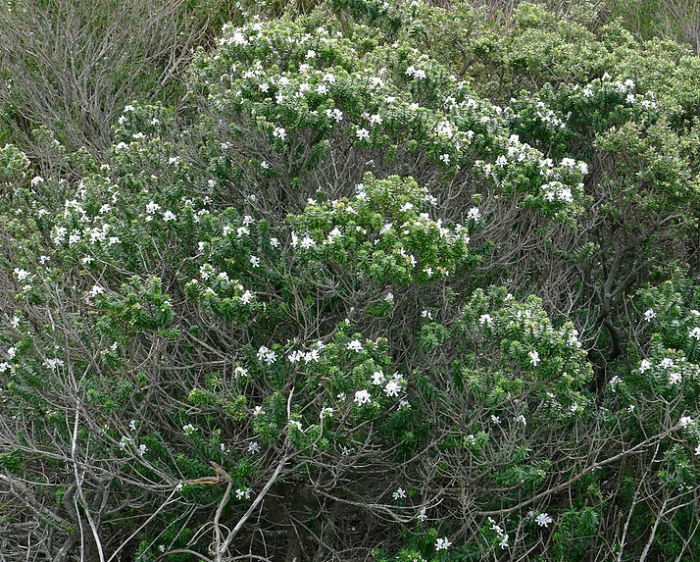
351	280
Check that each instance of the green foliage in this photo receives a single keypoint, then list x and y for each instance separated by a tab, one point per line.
393	280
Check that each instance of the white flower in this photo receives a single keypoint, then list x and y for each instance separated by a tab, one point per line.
169	216
326	413
335	114
362	397
310	54
279	133
399	493
685	421
485	319
645	365
375	119
474	214
243	493
142	449
568	163
36	180
442	544
96	290
427	314
697	451
392	388
445	158
354	345
254	447
307	242
132	425
521	419
674	378
649	315
295	423
362	134
534	358
333	234
444	129
573	338
695	333
21	274
246	297
266	355
240	372
189	429
422	515
295	356
254	261
495	419
53	363
378	378
543	520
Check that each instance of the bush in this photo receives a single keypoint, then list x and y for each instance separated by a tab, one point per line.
390	287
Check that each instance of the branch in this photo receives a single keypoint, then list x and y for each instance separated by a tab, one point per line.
580	475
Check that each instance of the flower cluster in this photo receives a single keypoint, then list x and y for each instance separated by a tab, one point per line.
384	231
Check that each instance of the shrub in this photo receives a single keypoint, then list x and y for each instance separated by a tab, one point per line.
390	287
